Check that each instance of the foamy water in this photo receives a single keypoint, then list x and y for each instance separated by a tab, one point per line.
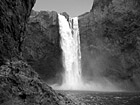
70	44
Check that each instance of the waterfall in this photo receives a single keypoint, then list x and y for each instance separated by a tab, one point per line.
70	44
71	57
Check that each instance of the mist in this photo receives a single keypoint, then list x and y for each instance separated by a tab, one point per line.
94	68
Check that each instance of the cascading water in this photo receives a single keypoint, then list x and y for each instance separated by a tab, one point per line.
70	44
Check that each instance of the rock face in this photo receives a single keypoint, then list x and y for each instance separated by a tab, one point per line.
19	83
41	47
14	15
110	42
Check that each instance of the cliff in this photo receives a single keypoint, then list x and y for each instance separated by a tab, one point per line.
13	19
19	83
41	47
110	42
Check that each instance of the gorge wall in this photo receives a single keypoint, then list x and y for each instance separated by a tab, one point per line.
110	42
13	21
19	83
41	47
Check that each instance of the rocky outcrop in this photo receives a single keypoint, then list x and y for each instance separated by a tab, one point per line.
110	42
20	85
41	47
14	15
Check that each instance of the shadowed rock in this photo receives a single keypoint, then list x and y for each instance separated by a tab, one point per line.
41	47
13	19
19	83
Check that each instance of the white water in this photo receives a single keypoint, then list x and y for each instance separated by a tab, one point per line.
70	44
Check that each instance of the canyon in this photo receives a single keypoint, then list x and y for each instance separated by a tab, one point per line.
109	36
31	54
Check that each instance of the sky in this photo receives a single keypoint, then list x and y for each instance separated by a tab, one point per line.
72	7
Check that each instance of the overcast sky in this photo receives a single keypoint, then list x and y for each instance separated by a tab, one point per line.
72	7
